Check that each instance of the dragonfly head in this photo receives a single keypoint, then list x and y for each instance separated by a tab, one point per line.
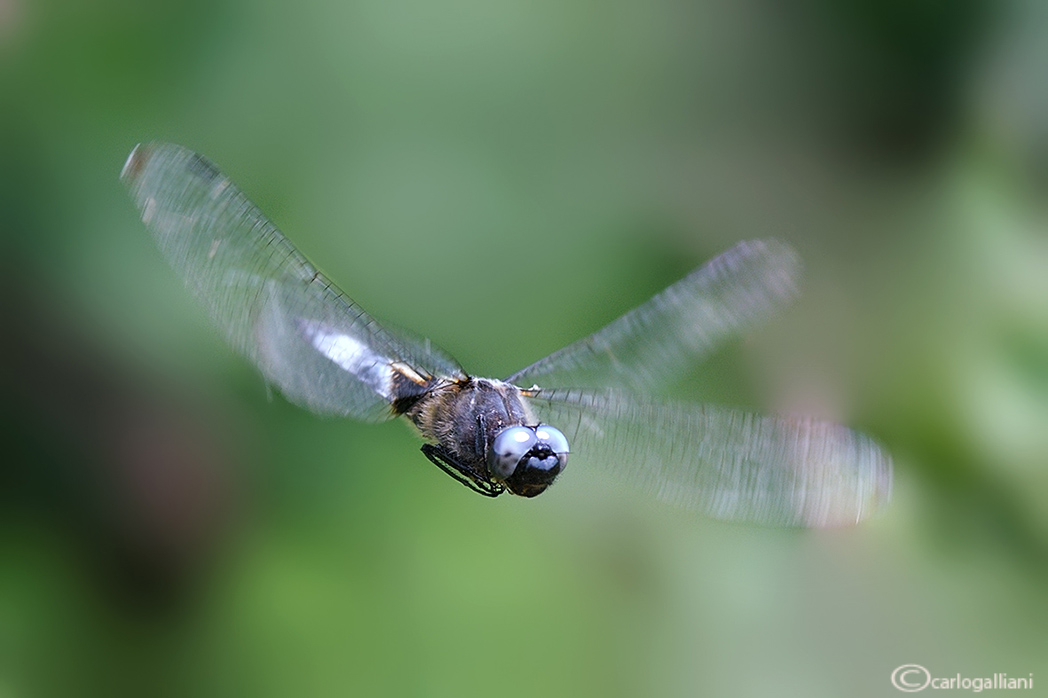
528	459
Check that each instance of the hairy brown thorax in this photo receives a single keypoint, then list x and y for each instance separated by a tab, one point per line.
465	416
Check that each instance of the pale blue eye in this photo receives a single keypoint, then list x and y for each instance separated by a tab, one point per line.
558	443
511	445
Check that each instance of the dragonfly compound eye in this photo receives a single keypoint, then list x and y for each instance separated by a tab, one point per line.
510	447
528	459
558	443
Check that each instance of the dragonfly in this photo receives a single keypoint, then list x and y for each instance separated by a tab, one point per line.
325	353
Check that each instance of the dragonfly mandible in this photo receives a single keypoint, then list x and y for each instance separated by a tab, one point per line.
323	352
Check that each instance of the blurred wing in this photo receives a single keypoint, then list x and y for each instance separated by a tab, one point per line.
315	344
650	346
725	463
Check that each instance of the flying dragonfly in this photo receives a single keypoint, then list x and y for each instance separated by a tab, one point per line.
325	353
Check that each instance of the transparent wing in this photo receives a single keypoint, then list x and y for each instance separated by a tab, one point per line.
650	346
725	463
311	341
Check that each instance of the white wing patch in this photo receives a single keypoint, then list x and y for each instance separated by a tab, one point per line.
369	367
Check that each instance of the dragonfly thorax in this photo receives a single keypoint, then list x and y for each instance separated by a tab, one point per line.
486	430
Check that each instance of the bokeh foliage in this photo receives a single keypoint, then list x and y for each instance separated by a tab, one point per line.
505	177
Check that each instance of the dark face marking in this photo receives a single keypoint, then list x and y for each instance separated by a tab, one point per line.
536	471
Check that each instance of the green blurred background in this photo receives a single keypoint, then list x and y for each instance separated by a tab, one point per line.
504	177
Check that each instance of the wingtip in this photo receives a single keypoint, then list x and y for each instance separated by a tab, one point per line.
846	479
135	163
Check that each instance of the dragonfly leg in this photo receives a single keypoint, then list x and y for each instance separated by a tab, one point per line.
469	477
